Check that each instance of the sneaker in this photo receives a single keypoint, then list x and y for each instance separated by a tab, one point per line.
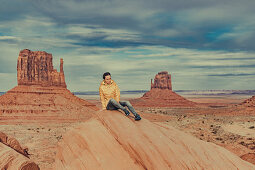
126	112
137	117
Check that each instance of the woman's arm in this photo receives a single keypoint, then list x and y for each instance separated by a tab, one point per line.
102	98
117	92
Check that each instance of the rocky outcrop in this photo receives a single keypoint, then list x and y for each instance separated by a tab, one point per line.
247	107
36	68
161	94
114	141
13	156
249	102
13	143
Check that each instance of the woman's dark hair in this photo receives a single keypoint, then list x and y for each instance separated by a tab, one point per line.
106	74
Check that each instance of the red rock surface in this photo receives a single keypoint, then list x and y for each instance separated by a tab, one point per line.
161	94
36	68
113	141
250	157
13	156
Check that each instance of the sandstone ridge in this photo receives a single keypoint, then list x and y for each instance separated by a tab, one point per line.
138	145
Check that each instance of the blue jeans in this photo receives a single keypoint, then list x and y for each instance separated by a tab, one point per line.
114	105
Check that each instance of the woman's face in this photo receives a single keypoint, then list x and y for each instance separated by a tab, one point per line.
107	79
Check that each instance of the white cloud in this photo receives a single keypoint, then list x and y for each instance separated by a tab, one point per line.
8	38
88	31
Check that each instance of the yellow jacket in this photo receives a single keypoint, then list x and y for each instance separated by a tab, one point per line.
108	91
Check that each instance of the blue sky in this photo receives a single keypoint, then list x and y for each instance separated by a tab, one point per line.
203	44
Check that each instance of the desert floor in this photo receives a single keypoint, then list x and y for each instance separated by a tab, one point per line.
211	121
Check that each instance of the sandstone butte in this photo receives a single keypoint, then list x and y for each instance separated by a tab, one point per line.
114	141
13	156
41	94
161	94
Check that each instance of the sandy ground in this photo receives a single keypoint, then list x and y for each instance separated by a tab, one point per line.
236	133
208	123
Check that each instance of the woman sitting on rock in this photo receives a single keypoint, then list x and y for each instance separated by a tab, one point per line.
110	97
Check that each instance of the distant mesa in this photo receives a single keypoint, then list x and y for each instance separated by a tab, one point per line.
41	94
36	68
161	94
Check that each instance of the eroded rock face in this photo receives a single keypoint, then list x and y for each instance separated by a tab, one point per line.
138	145
13	156
36	68
13	143
162	80
161	94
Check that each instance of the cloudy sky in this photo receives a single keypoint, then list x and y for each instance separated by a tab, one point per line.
203	44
